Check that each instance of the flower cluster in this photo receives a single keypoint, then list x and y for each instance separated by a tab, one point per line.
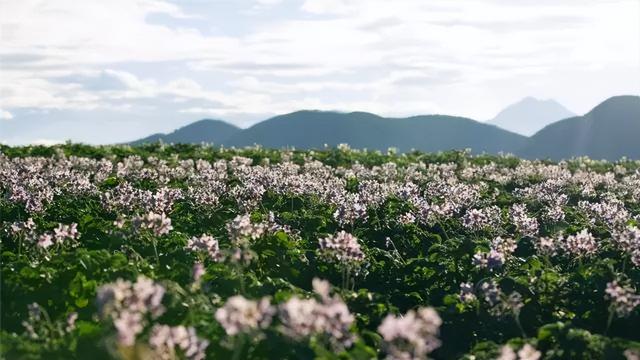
23	228
467	292
547	246
501	250
628	240
164	340
478	219
241	232
527	352
352	208
241	228
60	234
611	212
411	336
329	316
129	304
27	230
342	247
158	224
525	224
206	244
624	299
581	244
240	315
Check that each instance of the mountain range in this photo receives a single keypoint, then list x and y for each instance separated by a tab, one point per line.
609	131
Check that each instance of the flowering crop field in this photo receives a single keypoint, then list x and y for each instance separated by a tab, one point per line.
185	251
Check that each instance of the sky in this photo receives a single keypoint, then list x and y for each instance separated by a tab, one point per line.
99	71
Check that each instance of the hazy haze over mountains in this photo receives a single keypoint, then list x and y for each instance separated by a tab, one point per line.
529	115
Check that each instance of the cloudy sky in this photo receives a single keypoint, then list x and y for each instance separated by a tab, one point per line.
108	71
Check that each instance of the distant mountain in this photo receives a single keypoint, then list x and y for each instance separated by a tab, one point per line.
609	131
206	130
313	129
529	115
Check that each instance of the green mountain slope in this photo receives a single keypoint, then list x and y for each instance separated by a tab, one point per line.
610	131
206	130
314	129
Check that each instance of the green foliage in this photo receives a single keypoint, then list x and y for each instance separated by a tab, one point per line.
564	313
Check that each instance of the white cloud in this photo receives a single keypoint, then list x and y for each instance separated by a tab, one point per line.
46	142
5	115
268	2
468	57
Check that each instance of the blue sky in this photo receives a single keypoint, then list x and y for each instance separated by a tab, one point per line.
112	71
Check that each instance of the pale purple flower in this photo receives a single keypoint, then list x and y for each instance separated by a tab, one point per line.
411	336
329	316
528	352
501	250
507	353
239	315
547	246
581	244
478	219
407	218
342	247
71	321
491	292
197	272
128	304
241	228
624	299
467	292
128	324
207	244
158	224
165	339
45	241
632	354
65	232
525	224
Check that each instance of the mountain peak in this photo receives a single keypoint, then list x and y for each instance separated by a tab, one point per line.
618	102
204	130
530	114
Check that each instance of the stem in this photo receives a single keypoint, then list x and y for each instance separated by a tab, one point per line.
343	275
517	318
397	252
239	344
155	250
444	232
241	278
609	320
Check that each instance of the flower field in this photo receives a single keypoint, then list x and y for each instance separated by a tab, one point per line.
198	252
